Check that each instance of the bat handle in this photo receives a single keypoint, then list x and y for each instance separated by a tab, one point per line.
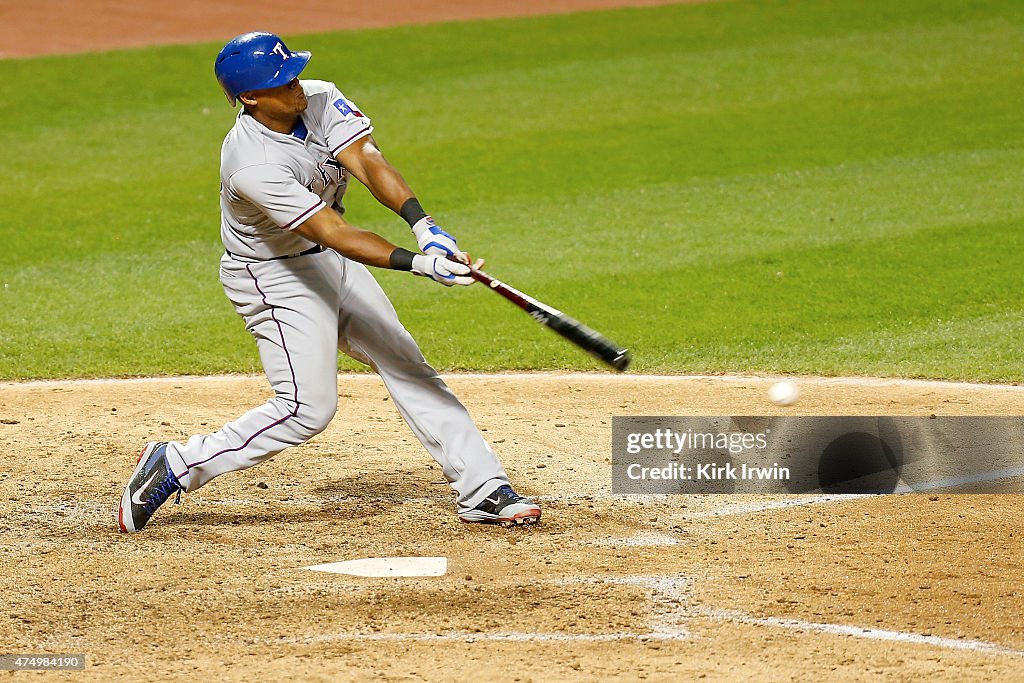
480	276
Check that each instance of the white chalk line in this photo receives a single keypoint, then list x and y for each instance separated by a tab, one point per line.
668	596
570	376
858	632
964	480
769	505
473	636
749	508
642	539
669	617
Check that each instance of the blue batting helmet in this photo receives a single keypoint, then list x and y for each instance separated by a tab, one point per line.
256	61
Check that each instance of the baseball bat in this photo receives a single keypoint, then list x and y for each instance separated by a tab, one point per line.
589	340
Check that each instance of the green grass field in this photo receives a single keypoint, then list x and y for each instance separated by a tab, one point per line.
785	186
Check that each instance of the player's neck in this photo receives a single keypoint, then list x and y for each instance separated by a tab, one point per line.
279	125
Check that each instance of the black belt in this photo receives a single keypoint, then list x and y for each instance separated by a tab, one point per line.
312	250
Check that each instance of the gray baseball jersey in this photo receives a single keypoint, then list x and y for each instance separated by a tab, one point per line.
271	182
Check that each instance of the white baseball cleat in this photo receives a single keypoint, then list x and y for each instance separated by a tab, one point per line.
505	507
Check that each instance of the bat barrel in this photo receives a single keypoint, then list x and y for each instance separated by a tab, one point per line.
589	340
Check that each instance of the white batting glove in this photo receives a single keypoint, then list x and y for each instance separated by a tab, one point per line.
441	269
433	240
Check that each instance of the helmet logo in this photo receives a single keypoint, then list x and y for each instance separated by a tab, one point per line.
279	50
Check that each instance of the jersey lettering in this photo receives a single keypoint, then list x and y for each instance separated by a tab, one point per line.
328	171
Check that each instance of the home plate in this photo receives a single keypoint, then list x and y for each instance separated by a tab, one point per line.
387	566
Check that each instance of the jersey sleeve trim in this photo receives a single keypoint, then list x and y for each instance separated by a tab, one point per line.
349	141
294	223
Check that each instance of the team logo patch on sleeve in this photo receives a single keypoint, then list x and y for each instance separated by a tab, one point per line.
347	108
342	106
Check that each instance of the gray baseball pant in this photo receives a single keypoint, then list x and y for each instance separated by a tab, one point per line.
301	310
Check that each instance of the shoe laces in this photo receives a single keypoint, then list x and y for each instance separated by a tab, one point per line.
163	492
506	491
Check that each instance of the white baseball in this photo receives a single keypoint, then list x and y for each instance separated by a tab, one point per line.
784	393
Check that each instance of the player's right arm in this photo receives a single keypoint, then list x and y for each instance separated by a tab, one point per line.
329	229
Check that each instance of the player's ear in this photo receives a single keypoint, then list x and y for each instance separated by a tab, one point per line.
247	98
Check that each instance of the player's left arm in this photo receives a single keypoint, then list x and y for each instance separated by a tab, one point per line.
365	161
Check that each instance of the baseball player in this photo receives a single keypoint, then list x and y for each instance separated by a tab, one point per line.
295	271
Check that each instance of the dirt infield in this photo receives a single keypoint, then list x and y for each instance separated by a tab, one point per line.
46	27
906	587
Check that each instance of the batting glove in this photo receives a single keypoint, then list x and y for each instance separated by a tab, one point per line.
434	240
441	269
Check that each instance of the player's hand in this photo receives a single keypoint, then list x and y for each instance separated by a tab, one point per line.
441	269
434	241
